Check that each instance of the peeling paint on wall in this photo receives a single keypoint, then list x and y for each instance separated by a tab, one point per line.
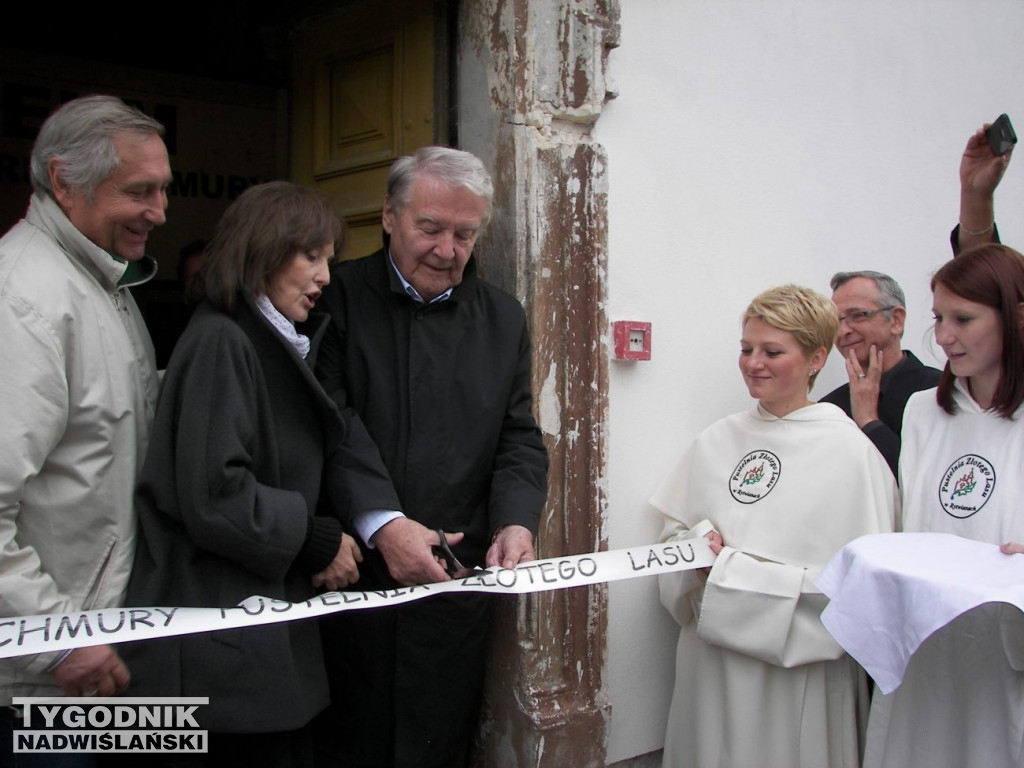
543	64
549	404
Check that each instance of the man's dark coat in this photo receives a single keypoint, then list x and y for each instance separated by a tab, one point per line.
444	391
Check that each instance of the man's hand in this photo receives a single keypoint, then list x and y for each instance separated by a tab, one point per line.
343	569
981	170
513	545
1012	548
865	387
93	671
405	545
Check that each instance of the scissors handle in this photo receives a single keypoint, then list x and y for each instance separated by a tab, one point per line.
442	550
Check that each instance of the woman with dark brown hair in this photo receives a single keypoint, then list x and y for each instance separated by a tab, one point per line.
961	701
242	444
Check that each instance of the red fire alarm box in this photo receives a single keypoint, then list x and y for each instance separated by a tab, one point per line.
632	340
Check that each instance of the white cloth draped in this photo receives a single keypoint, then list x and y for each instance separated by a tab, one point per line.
889	593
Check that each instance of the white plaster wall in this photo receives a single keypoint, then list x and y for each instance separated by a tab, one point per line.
755	143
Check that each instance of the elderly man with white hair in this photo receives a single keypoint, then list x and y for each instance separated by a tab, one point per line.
436	363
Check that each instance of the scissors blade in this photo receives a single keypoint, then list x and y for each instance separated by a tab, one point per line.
452	566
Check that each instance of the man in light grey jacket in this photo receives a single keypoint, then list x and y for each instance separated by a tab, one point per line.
78	383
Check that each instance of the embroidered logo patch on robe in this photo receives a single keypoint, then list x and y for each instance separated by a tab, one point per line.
967	485
755	476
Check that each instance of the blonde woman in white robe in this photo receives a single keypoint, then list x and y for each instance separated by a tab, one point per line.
777	489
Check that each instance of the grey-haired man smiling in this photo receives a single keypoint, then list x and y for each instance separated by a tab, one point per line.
78	383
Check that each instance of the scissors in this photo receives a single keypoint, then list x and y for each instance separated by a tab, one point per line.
452	566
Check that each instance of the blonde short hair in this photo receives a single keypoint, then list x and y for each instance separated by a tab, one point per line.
811	317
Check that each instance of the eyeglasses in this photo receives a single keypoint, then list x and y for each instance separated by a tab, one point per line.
858	316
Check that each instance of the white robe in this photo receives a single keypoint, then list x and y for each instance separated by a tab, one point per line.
961	702
759	681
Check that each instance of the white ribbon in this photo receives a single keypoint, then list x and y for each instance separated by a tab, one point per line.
57	632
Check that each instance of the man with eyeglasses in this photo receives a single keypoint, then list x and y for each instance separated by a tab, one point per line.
872	312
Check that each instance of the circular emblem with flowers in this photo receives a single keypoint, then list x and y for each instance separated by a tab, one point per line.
755	476
967	485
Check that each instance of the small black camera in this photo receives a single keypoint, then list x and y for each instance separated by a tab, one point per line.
1000	135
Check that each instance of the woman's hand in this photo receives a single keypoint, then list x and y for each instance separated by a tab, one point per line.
343	569
715	539
1012	548
981	170
715	542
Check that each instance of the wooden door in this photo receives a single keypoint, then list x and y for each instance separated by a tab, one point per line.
364	93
